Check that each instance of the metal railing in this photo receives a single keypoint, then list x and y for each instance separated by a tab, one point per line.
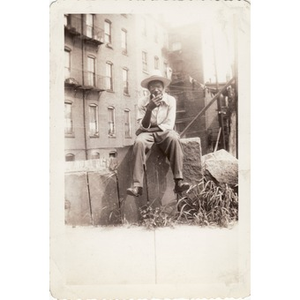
85	79
202	111
76	26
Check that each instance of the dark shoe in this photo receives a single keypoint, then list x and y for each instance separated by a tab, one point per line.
136	191
181	186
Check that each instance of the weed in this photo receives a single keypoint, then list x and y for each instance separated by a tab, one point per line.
152	217
206	204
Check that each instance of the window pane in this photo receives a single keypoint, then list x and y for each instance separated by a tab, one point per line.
125	81
90	20
66	19
127	124
89	25
124	40
109	85
70	157
93	120
68	118
91	71
67	64
107	31
95	155
111	122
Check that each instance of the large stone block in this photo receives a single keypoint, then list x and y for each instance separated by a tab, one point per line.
104	198
77	208
158	181
129	205
222	167
192	166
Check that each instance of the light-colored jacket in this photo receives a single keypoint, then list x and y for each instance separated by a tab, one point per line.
163	116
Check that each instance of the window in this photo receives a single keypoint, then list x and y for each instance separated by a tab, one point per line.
67	20
125	81
111	122
67	63
127	123
124	41
109	80
156	62
91	71
90	19
144	61
107	31
93	120
68	119
70	157
95	155
112	154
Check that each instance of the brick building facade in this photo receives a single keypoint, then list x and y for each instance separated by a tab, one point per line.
106	57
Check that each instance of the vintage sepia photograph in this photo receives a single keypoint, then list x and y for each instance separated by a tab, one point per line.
150	162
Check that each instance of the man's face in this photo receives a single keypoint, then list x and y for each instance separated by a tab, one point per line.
156	87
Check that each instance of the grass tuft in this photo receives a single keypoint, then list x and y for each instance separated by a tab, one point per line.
206	204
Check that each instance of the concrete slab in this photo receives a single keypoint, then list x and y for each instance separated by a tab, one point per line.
104	198
77	208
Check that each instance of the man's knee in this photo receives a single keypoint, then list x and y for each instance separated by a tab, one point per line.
173	136
140	143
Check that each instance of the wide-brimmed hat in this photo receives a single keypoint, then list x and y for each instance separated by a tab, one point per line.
155	75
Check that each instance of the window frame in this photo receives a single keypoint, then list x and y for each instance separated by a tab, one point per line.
125	48
69	133
95	153
90	26
125	71
67	50
145	61
91	73
94	132
111	123
69	155
67	20
128	133
108	36
109	77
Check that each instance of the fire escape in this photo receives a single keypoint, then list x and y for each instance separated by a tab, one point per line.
77	27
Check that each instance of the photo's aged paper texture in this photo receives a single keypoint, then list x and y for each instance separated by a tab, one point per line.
106	243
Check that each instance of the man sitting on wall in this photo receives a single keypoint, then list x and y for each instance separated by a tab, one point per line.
156	118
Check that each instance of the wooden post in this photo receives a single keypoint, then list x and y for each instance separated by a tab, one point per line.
220	115
235	37
208	105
